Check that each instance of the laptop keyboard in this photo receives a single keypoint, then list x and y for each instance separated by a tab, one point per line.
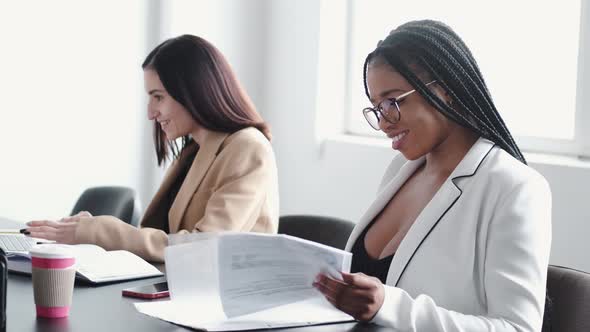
16	243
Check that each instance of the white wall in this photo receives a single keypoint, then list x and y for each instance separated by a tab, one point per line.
70	90
338	175
236	27
73	105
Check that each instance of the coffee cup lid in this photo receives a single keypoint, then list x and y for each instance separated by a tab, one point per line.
51	250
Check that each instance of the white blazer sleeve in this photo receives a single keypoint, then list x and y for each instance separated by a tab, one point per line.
515	272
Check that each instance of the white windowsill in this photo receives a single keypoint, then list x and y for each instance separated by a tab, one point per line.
531	157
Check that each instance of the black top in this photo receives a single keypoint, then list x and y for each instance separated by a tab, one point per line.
175	188
362	262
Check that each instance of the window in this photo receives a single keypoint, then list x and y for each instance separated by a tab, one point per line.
527	51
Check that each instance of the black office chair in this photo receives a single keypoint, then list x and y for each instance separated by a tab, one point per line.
569	291
330	231
120	202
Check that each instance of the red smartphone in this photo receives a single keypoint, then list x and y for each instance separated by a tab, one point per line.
154	291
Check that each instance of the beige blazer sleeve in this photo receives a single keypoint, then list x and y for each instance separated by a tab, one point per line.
114	234
231	186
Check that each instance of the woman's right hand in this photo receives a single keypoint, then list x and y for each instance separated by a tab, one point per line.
357	294
60	231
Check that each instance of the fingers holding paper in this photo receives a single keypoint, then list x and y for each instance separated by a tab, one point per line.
356	294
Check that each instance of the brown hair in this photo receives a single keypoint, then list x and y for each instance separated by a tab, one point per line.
198	76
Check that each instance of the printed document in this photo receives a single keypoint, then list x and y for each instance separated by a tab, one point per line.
238	281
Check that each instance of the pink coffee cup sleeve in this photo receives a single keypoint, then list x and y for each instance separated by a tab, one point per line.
52	263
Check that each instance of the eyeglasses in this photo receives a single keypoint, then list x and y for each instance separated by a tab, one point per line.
387	109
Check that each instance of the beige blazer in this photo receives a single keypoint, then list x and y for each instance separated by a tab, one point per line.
232	185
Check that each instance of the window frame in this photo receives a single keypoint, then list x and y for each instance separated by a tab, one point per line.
579	146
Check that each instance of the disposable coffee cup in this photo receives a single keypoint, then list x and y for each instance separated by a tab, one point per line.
53	279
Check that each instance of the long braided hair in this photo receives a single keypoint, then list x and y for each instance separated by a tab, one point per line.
434	49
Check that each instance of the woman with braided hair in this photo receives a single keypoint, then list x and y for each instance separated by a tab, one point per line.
458	237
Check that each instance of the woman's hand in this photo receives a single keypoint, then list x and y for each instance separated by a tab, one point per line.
61	231
357	294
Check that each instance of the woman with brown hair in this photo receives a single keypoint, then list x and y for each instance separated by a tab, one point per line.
223	176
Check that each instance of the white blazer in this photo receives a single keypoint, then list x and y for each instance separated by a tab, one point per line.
476	257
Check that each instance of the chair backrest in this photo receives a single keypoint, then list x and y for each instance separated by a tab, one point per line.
120	202
330	231
569	291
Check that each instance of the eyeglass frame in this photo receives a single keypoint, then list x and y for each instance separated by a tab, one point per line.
377	110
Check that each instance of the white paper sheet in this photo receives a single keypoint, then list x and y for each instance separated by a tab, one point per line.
238	281
308	312
272	271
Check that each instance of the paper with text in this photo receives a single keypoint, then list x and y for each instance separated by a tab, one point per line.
272	271
236	281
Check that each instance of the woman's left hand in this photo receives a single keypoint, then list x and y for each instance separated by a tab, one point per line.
61	231
357	294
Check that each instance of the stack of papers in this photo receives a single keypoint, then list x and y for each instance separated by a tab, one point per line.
242	281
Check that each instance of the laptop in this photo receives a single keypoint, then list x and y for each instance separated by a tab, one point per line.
16	244
11	241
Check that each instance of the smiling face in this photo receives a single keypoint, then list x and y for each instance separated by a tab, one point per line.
421	128
174	120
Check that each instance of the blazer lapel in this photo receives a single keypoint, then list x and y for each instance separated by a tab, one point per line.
383	197
205	156
436	209
154	207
